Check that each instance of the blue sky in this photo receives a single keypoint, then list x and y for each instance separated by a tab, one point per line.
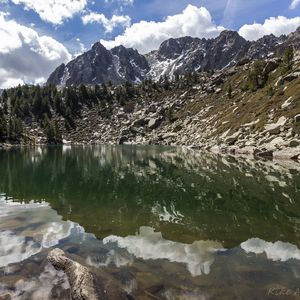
57	30
230	14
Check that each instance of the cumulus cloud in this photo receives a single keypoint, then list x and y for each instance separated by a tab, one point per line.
294	4
146	36
274	25
108	24
54	11
26	56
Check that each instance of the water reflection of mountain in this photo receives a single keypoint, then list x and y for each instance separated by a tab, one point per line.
115	190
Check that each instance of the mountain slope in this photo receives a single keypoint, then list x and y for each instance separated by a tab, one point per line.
250	108
174	56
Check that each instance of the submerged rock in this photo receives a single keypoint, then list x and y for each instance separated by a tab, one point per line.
82	281
87	283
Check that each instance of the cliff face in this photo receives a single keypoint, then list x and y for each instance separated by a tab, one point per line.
100	65
174	56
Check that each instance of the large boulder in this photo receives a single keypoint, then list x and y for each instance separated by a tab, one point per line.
292	153
83	283
154	123
294	143
140	122
230	140
264	154
297	118
251	150
86	282
292	76
287	103
275	127
270	66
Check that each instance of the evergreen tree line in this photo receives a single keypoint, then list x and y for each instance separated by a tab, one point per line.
45	105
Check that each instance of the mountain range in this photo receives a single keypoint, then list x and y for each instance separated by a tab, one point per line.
180	55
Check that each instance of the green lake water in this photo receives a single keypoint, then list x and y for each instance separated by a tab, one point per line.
158	222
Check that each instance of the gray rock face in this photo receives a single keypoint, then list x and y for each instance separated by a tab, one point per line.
188	54
100	65
174	56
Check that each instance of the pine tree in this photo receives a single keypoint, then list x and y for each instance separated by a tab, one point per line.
287	61
229	91
256	77
52	132
3	127
84	95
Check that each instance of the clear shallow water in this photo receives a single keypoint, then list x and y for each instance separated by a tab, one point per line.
157	221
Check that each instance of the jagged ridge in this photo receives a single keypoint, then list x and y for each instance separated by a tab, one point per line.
181	55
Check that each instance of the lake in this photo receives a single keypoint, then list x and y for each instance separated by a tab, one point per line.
156	222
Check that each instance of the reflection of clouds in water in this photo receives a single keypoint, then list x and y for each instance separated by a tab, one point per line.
53	232
15	249
35	226
112	258
39	288
278	251
148	244
8	208
172	216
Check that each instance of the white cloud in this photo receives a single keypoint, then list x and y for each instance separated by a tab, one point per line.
146	36
294	4
54	11
274	25
121	2
108	24
25	56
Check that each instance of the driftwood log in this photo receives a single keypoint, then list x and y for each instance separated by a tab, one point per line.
83	283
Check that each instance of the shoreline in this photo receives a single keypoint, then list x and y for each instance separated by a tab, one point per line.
287	154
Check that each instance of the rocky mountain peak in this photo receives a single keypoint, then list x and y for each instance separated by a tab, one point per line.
173	48
175	55
230	35
98	47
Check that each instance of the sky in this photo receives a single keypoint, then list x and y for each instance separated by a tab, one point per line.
38	35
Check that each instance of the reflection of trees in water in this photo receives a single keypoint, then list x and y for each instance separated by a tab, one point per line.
109	188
